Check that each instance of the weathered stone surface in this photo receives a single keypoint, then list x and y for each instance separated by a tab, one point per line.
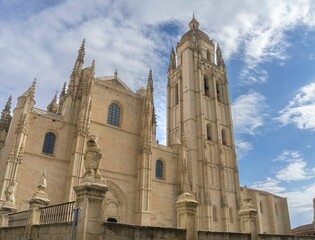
114	231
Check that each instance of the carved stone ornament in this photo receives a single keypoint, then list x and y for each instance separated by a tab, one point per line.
9	196
40	198
92	160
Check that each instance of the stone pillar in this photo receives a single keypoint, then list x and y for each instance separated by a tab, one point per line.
248	215
4	219
248	218
40	199
186	208
90	194
89	197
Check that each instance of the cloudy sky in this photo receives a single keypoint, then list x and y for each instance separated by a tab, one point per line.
268	46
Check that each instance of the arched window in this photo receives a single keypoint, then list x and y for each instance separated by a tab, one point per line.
159	169
209	132
176	94
206	86
223	136
219	92
49	143
208	55
214	213
114	115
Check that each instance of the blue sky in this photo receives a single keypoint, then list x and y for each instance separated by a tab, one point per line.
268	47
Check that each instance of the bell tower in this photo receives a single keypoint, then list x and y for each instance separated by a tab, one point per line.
198	107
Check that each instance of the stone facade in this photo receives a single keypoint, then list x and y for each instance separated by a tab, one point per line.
144	178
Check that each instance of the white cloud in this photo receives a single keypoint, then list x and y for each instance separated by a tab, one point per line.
248	113
270	185
288	156
295	168
42	40
293	171
300	110
242	148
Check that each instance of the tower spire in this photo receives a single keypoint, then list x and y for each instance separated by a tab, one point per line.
63	92
193	24
32	89
220	61
81	52
150	91
6	116
172	64
53	106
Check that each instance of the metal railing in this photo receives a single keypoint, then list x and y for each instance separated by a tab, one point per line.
57	213
18	219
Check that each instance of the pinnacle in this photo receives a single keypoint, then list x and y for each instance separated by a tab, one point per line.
8	104
93	65
193	24
32	88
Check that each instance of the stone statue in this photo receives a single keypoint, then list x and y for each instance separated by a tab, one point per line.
42	184
9	194
246	199
92	160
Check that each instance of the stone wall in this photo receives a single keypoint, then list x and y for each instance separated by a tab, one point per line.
283	237
115	231
15	233
55	231
203	235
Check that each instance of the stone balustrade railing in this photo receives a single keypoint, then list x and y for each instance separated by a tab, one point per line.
18	219
47	114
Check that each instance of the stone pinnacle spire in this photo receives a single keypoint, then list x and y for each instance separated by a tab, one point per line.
6	116
63	91
150	91
53	106
172	64
32	89
81	52
193	24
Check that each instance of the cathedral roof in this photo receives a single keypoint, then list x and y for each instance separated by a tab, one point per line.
194	31
116	81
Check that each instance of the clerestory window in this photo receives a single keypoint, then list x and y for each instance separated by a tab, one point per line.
159	169
114	115
49	143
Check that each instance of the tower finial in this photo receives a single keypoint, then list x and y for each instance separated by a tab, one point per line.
193	24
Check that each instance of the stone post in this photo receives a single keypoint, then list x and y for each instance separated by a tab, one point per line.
40	199
248	222
248	215
186	208
186	205
90	198
4	219
90	194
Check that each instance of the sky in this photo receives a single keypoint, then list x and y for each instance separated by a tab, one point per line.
268	47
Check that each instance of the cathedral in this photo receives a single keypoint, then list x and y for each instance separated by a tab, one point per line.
144	178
